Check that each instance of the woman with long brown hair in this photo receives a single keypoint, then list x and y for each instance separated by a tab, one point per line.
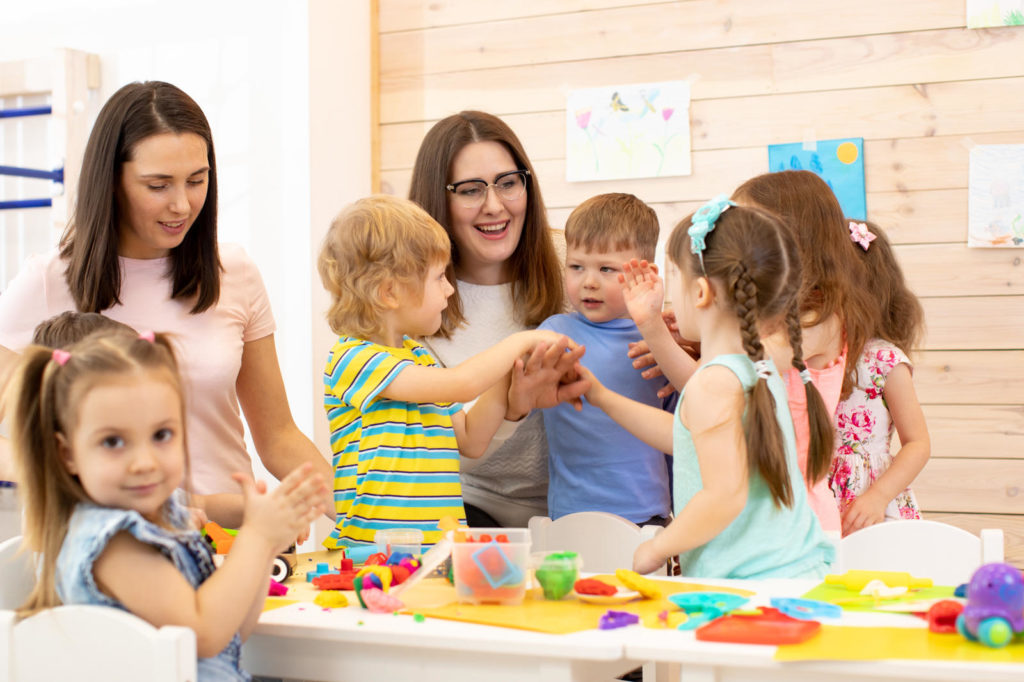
142	248
473	176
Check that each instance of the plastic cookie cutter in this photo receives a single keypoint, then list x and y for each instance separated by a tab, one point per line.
610	620
495	565
704	607
806	609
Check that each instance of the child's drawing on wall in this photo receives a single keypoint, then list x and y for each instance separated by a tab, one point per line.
982	13
840	163
628	131
995	196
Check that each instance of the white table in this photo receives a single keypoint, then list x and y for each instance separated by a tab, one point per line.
680	657
303	641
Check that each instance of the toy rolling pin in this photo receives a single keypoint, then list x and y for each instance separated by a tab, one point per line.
855	580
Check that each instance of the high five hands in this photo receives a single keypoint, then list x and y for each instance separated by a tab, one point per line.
548	376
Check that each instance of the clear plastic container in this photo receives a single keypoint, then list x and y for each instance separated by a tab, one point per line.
556	572
491	567
405	540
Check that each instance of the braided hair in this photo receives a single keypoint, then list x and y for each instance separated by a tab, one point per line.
752	260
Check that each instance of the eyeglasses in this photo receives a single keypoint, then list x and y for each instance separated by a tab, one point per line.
473	193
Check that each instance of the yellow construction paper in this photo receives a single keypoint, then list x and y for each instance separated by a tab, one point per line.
567	615
846	643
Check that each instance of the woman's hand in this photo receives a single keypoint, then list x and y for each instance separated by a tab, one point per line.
546	378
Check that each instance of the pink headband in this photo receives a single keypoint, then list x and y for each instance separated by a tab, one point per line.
860	234
61	357
147	336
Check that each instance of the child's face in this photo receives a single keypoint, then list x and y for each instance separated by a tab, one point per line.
592	281
128	447
424	319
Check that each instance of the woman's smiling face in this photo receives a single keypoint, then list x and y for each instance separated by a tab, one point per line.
487	236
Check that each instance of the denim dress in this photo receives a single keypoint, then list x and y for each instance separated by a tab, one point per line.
92	527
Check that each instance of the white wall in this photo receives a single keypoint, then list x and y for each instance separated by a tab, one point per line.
247	64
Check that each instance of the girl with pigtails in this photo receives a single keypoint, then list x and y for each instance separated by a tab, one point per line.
740	503
99	442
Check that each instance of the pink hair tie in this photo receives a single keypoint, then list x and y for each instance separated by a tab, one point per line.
61	357
147	336
860	234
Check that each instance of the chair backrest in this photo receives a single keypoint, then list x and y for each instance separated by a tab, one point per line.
17	574
925	549
605	541
93	643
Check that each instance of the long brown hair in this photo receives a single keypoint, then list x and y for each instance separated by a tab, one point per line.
46	396
89	244
901	318
835	281
537	286
752	261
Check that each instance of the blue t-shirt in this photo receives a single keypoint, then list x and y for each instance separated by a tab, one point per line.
764	541
92	527
595	464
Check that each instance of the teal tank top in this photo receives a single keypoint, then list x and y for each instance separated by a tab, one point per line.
763	541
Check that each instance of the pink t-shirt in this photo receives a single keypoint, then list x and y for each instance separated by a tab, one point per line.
829	382
208	345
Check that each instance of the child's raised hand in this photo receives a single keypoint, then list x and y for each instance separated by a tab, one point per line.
286	512
642	290
867	510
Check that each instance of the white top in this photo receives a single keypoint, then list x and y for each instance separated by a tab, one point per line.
208	345
511	481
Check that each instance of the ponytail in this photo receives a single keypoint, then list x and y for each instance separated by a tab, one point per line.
821	442
766	451
43	480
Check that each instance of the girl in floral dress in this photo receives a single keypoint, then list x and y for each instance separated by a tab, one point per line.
870	482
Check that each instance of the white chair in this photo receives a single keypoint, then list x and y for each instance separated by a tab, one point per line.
605	541
17	575
93	644
90	643
925	549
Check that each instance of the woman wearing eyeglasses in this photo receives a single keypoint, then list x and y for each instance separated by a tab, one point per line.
474	178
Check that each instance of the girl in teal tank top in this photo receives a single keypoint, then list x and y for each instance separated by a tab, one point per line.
741	507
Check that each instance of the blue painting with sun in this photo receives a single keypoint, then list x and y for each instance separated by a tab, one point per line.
840	163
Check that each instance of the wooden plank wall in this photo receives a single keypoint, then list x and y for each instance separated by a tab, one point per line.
906	76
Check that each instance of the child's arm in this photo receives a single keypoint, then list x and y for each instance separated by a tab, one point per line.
644	293
470	378
713	412
537	382
649	424
475	428
901	399
149	585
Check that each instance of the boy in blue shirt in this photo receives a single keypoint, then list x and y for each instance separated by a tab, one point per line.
594	464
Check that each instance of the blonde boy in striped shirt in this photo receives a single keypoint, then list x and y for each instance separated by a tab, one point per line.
397	422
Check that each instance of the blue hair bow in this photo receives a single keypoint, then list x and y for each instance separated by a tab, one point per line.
704	221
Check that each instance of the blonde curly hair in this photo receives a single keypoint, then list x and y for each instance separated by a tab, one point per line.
374	240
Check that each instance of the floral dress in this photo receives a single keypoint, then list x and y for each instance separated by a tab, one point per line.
864	431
